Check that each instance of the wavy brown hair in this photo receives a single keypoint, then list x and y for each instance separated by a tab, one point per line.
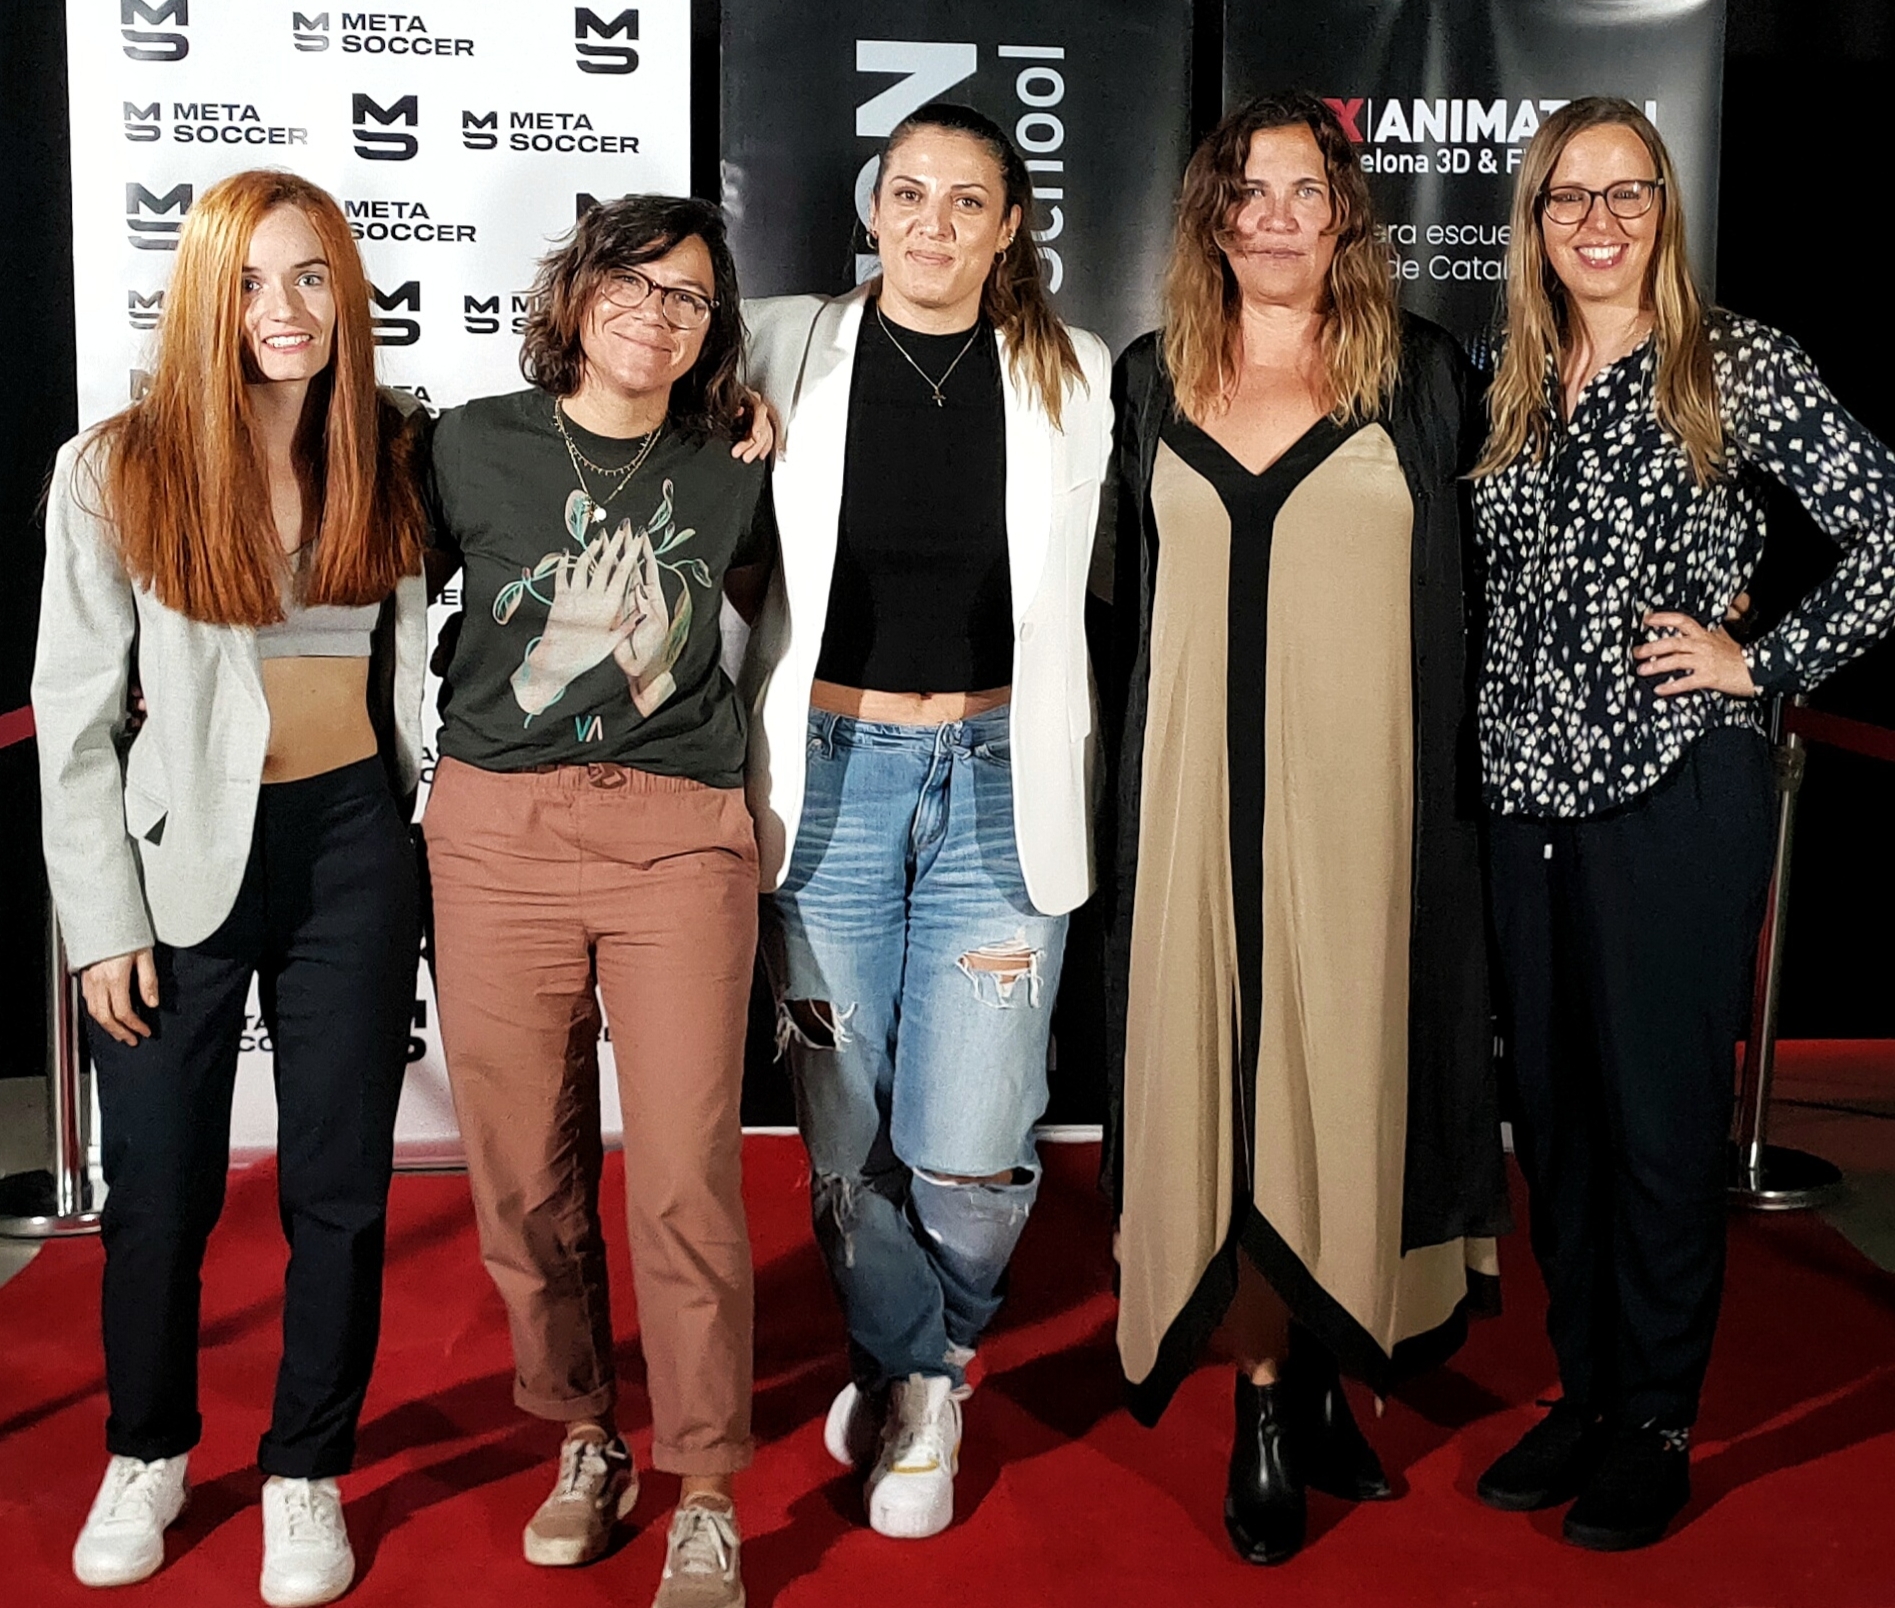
1014	299
708	399
1540	320
1361	335
182	471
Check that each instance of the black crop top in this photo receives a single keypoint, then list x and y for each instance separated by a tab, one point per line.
921	599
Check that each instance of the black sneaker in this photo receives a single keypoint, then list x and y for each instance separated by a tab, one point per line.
1642	1484
1548	1465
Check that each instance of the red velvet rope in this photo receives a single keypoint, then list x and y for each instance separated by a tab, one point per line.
1839	731
16	725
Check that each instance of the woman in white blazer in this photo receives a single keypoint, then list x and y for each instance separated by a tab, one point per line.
920	750
243	545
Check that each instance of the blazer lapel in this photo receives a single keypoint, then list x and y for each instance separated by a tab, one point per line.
809	474
1029	486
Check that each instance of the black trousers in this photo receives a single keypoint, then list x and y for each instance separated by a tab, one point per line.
326	918
1627	943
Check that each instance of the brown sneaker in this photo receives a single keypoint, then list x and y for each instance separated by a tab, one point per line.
597	1484
702	1566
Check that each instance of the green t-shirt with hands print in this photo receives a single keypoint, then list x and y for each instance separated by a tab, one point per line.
591	594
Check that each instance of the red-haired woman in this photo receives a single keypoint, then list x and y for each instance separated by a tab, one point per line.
245	540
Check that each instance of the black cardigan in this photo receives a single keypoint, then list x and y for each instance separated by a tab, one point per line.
1455	1179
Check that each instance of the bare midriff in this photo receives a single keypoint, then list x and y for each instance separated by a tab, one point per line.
905	708
318	716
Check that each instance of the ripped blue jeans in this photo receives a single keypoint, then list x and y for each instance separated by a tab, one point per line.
915	986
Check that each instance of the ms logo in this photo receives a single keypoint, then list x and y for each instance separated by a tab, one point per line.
144	310
387	143
586	24
397	331
146	216
147	43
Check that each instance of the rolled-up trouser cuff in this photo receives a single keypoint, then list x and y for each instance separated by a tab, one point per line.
565	1409
729	1458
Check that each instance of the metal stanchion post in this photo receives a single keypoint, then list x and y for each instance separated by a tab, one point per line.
1767	1177
64	1207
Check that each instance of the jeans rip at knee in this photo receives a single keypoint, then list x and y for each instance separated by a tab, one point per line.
974	1222
1005	975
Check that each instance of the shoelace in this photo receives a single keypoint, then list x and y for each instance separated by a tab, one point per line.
921	1439
581	1465
308	1514
134	1493
702	1540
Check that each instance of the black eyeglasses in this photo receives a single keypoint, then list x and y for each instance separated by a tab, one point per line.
682	309
1629	198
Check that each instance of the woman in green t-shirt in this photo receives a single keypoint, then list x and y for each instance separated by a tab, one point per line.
587	826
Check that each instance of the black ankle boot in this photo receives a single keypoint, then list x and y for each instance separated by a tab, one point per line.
1264	1508
1331	1451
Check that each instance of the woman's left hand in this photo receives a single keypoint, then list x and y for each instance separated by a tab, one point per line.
764	431
1697	660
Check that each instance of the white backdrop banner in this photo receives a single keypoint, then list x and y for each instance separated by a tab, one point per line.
460	139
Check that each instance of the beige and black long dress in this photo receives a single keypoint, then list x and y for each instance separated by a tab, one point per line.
1266	993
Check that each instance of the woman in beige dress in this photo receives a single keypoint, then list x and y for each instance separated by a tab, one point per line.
1306	1144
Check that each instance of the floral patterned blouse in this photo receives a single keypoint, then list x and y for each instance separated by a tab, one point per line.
1609	525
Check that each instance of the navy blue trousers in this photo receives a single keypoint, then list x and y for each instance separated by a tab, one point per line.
326	919
1626	949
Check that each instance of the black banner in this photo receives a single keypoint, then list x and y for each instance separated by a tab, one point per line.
1094	92
1443	96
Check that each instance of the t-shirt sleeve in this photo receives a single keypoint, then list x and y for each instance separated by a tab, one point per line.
438	460
757	545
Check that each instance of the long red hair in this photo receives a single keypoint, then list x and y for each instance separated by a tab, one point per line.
183	471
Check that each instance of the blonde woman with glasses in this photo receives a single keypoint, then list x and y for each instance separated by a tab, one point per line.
1626	774
1297	981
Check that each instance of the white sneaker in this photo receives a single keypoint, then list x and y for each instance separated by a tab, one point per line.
306	1554
911	1488
852	1433
962	1357
123	1538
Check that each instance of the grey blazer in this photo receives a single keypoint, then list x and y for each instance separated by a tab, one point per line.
149	839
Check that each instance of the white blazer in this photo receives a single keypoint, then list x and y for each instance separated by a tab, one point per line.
801	356
152	841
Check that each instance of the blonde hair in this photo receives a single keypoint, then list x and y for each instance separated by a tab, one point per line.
1540	321
1014	298
1361	336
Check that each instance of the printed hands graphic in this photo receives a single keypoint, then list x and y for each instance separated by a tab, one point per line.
587	620
648	653
608	600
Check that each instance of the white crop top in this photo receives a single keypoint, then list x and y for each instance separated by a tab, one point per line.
319	631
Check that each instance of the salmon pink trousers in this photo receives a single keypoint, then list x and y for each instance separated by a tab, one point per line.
547	884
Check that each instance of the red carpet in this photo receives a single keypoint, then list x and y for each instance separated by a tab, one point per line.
1062	1498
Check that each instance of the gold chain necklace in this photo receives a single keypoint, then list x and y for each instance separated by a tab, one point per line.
934	385
595	507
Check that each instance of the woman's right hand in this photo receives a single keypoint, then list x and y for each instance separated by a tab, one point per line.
107	986
588	618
